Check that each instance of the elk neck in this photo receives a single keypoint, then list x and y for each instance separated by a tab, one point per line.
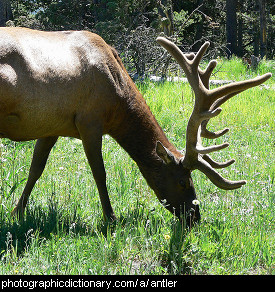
137	131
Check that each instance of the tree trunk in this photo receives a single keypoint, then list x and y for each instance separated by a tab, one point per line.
231	27
262	28
256	39
199	29
240	37
5	12
240	28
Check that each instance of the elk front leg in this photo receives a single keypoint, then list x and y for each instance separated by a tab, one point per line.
92	142
40	155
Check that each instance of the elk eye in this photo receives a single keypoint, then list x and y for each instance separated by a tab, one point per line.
182	183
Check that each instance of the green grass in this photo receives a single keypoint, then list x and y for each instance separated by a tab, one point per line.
63	231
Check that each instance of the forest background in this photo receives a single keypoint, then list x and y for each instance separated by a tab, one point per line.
244	28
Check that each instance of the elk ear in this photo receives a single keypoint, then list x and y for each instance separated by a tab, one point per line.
164	153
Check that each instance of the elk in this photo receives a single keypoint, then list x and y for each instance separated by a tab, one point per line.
73	84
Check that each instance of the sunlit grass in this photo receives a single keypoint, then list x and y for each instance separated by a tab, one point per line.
63	231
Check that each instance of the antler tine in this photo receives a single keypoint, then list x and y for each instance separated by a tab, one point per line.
211	135
200	53
216	178
188	62
236	87
176	53
206	106
215	164
205	75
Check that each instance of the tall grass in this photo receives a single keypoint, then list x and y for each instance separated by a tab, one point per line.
63	231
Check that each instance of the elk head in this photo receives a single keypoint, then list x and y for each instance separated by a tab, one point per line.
207	102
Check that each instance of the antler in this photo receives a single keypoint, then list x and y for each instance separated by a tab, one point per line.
206	106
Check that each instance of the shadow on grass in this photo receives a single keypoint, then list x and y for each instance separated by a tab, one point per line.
45	222
175	259
54	220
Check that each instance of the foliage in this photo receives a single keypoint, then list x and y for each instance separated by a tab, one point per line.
132	26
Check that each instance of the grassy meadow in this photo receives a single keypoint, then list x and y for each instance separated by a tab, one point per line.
63	231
